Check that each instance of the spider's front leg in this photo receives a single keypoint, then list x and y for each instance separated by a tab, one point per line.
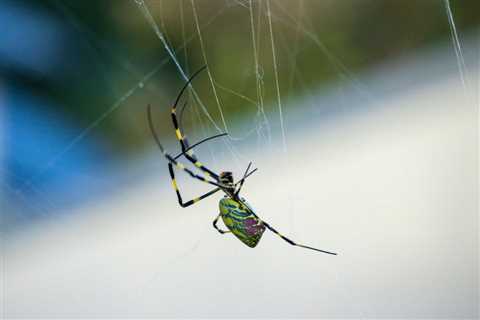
181	137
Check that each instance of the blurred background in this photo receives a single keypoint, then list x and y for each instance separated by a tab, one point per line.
362	117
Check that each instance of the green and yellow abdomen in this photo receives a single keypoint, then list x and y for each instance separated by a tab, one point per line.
242	221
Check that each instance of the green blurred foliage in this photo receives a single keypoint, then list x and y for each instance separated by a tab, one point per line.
120	48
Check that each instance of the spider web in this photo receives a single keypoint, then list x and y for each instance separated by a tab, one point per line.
262	18
262	121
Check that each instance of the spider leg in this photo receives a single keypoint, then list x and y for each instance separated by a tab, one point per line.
218	229
242	180
172	160
179	197
293	243
181	138
184	144
198	143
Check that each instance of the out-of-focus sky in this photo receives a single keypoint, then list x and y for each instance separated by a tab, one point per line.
83	56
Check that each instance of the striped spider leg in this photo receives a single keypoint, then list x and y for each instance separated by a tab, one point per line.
269	227
174	183
171	159
181	137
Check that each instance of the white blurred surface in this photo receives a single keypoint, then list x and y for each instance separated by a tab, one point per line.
393	189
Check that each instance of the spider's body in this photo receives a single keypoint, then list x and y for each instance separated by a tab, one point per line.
241	221
237	215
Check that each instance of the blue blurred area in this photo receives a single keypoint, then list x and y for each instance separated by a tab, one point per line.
39	173
35	136
31	41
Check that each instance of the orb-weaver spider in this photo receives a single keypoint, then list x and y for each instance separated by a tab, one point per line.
236	214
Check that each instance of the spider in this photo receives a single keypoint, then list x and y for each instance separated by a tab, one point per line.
236	213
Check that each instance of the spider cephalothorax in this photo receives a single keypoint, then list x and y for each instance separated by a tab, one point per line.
237	215
226	178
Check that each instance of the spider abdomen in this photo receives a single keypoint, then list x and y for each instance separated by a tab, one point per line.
242	221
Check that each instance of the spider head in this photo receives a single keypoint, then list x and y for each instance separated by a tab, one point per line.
226	178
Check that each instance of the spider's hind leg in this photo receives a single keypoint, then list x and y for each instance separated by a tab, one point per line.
294	243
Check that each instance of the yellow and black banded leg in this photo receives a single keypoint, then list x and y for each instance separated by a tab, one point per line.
179	197
218	229
172	160
184	145
293	243
189	154
198	143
